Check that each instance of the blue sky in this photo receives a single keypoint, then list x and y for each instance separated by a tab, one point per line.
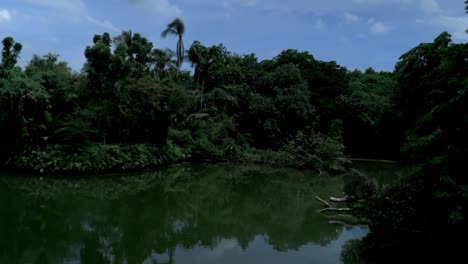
354	33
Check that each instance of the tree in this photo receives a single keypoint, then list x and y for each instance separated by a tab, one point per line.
132	55
58	80
176	28
126	94
99	67
10	54
163	63
201	58
369	117
23	103
326	81
418	217
466	8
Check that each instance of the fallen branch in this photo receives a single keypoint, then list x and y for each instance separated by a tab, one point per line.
339	215
339	200
330	207
375	160
323	201
335	209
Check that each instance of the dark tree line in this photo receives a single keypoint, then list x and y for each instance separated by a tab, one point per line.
132	101
421	218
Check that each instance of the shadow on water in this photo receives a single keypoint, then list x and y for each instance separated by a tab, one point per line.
384	172
183	214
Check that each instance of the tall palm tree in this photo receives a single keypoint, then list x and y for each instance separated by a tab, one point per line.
176	28
198	56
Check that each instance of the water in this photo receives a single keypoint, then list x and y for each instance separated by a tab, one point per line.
184	214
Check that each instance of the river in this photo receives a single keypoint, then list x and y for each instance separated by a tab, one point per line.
181	214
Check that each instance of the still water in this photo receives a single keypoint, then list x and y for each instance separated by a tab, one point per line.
183	214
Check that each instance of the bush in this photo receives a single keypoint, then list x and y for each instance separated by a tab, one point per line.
96	158
311	150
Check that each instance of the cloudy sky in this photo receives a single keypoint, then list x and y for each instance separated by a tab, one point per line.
355	33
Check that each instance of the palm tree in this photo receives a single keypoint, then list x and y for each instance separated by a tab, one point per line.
176	28
198	56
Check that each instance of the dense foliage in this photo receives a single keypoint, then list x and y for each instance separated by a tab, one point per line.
420	218
132	102
423	214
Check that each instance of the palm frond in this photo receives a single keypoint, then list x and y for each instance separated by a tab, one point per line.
178	25
168	31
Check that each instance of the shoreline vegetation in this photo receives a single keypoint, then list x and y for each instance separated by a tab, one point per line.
98	159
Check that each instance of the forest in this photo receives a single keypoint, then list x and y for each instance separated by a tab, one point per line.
134	106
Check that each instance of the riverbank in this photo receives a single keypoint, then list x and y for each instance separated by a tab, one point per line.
326	156
95	158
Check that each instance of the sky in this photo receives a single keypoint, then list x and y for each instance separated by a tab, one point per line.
354	33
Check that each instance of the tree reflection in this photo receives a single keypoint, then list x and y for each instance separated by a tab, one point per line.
136	218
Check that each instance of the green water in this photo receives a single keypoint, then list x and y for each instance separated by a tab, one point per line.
184	214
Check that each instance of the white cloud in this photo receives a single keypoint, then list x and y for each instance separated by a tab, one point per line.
379	27
428	6
319	24
376	26
248	2
163	7
5	16
50	39
455	25
70	7
75	10
368	2
331	6
316	6
351	18
102	23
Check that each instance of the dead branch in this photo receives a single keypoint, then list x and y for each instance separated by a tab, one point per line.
339	200
323	201
339	216
335	209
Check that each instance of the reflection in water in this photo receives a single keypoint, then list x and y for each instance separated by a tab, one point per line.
186	214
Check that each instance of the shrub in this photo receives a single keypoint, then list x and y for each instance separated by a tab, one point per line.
96	158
